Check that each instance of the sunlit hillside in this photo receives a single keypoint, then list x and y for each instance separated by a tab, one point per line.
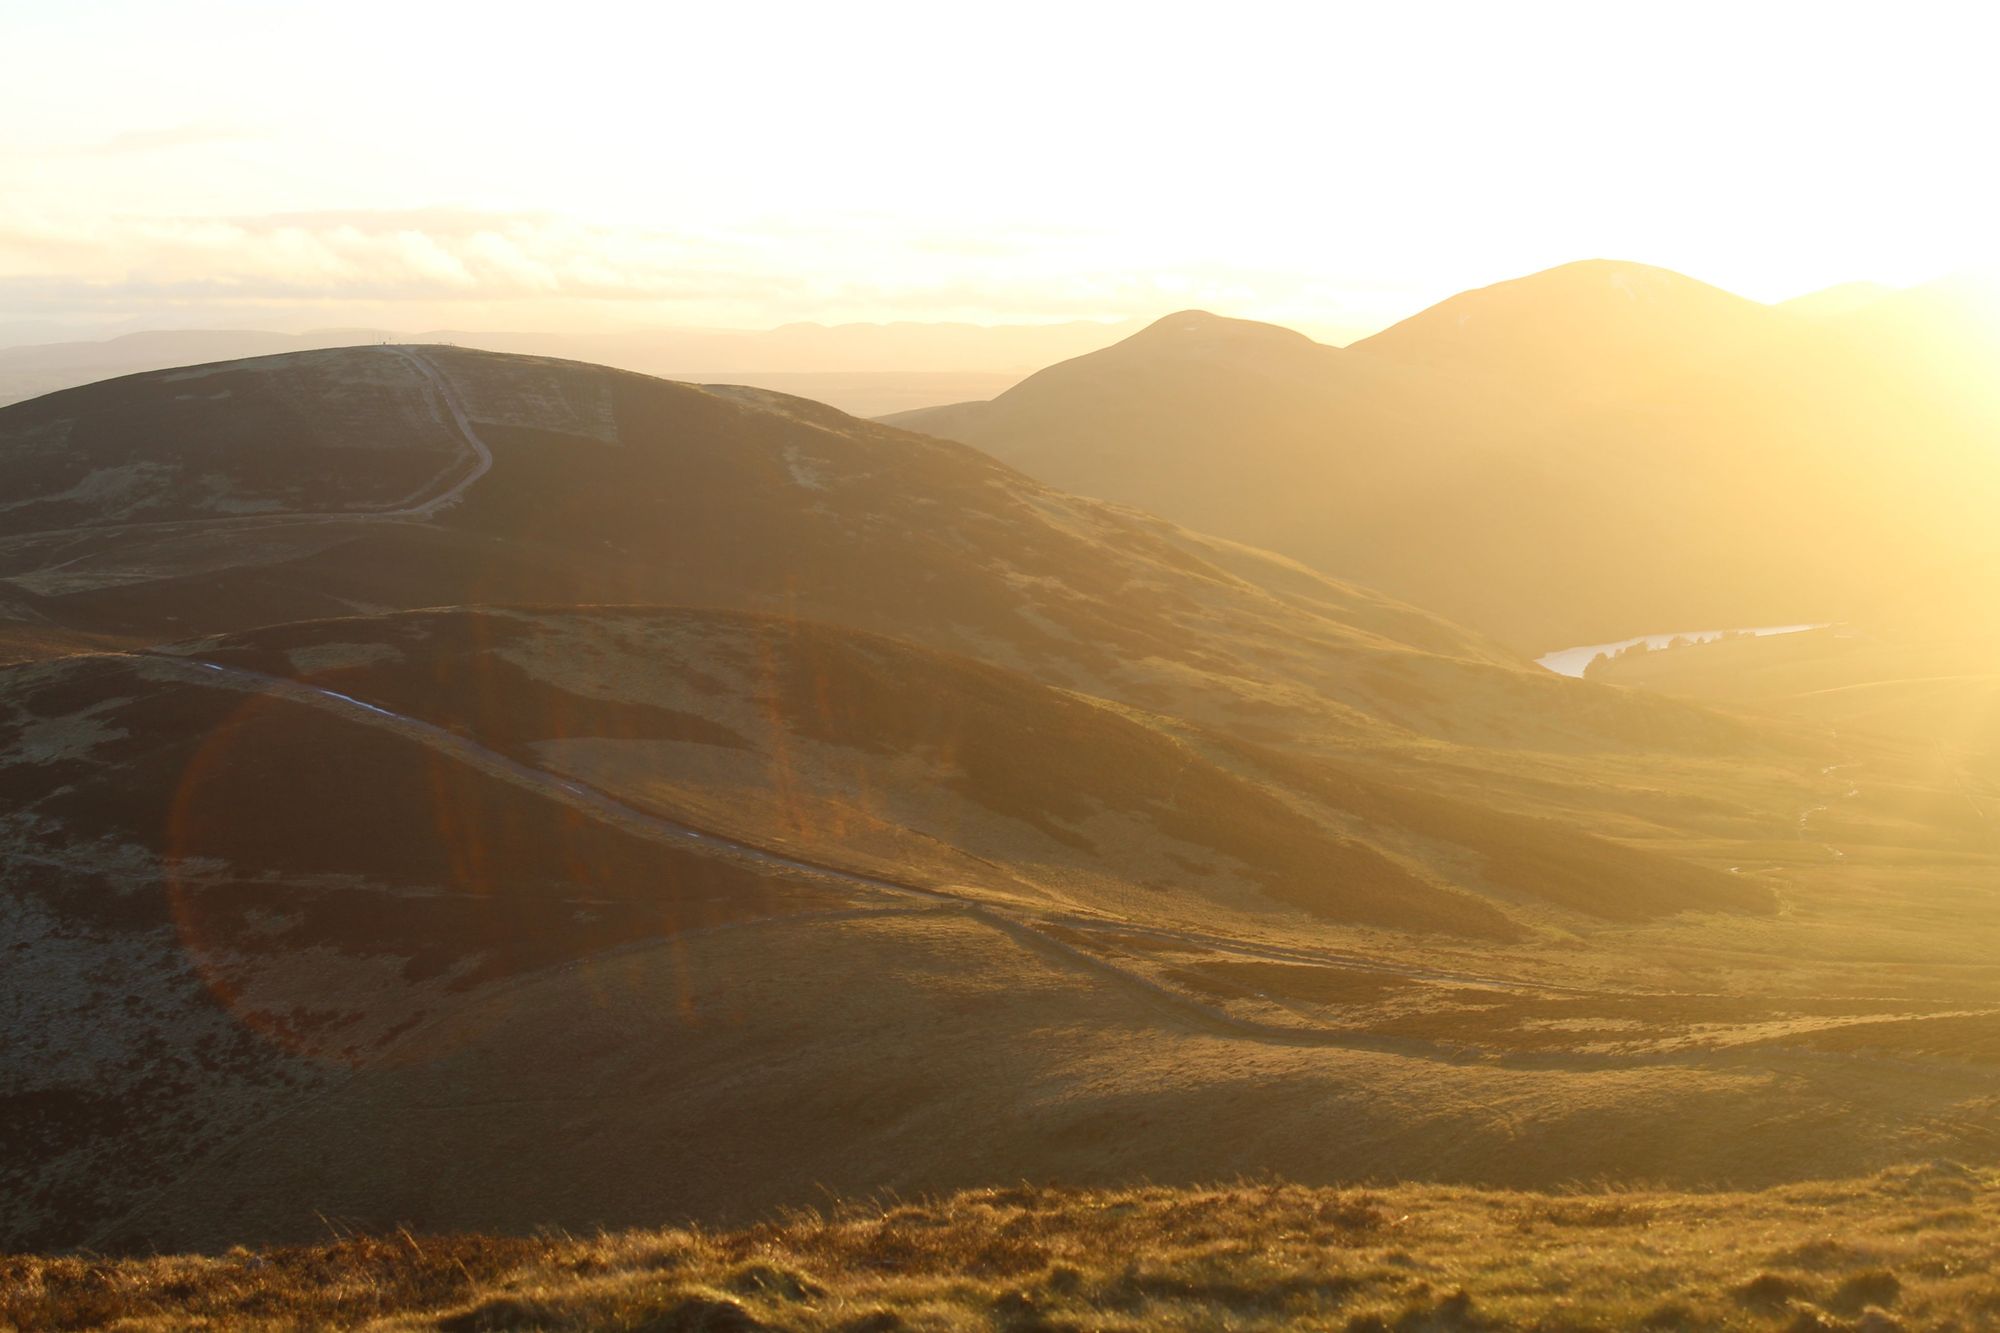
1592	452
905	667
956	798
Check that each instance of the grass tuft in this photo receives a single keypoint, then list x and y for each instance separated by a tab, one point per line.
1253	1257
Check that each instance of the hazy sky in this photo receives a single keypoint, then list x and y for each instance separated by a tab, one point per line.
1329	166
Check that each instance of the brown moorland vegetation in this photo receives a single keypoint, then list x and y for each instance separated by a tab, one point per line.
726	805
1911	1248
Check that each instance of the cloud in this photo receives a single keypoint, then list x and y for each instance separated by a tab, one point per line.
419	266
132	142
412	255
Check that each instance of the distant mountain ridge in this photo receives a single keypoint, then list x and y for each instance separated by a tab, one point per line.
1601	321
1584	454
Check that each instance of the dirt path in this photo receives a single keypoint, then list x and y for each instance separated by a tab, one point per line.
449	410
568	790
1806	814
607	808
482	455
1173	1005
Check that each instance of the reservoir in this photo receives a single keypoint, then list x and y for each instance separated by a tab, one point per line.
1572	661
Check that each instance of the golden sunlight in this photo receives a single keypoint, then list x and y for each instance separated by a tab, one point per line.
854	669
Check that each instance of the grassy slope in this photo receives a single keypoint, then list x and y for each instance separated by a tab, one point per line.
729	1074
611	488
1627	1045
826	741
1914	1248
1101	1011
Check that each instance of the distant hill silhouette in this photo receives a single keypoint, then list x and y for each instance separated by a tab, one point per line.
1596	451
1842	299
1583	330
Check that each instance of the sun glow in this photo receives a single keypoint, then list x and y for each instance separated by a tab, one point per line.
1327	167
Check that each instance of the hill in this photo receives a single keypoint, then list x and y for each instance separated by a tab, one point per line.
286	868
1593	329
476	791
224	497
1842	299
1586	454
30	370
866	369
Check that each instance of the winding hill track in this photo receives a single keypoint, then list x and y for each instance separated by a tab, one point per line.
447	406
1032	931
601	805
446	396
1033	935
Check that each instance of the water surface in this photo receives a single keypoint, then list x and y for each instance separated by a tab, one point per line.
1572	661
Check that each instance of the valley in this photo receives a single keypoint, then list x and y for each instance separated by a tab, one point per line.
749	841
907	668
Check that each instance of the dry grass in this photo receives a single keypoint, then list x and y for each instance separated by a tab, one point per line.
1912	1248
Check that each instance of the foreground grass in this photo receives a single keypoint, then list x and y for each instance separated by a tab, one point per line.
1913	1248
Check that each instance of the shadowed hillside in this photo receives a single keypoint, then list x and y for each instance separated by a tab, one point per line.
871	783
472	791
330	482
435	806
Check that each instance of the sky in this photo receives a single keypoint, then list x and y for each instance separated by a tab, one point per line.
605	166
